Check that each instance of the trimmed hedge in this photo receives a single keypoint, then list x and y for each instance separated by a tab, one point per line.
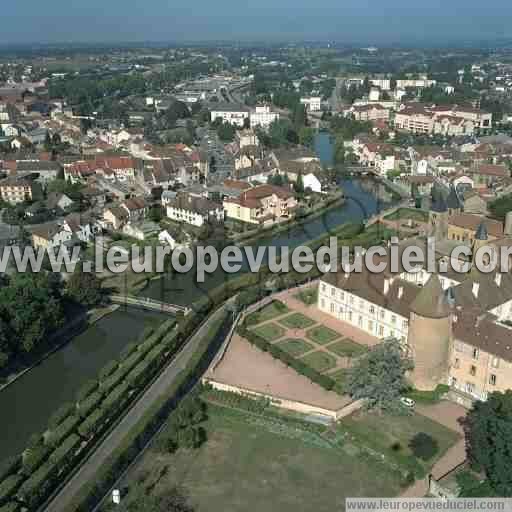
111	382
127	351
87	389
92	422
36	488
64	453
10	507
61	414
299	366
139	374
8	487
57	436
117	398
108	370
10	466
34	458
133	361
89	404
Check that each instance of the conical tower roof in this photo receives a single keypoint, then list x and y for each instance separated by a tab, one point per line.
431	300
481	232
453	201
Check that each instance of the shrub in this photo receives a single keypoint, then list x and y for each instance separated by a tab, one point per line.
116	399
133	361
89	404
33	458
423	446
8	487
9	467
396	446
62	431
127	351
87	389
37	487
140	374
92	423
108	369
10	507
60	415
111	382
63	454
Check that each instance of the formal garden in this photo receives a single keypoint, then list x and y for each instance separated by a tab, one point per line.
303	343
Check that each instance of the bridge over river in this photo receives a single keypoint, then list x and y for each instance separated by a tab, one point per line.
147	303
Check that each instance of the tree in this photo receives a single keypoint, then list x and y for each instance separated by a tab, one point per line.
299	184
226	132
501	206
84	287
306	136
488	431
300	117
378	377
423	446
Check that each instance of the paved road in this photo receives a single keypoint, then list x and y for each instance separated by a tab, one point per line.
89	469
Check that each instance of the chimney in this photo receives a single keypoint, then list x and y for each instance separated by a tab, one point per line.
400	292
497	279
476	287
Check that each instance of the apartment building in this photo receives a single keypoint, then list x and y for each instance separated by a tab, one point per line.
263	117
16	190
231	114
193	210
312	104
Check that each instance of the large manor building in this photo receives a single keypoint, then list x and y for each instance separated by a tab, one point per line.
457	327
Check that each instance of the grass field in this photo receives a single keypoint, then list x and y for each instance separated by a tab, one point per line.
346	348
381	432
320	361
251	464
295	346
297	321
308	296
270	331
321	335
270	311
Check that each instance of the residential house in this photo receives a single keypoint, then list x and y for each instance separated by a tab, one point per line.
193	210
229	113
15	190
261	204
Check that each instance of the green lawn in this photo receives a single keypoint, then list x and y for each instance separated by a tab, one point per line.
391	434
346	348
270	311
295	346
321	335
408	213
340	376
270	331
320	361
308	296
297	321
251	464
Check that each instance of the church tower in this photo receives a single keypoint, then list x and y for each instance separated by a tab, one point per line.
429	336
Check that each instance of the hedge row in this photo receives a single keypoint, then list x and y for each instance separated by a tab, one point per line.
299	366
143	431
62	431
87	406
8	487
87	389
38	486
33	458
10	466
10	507
62	455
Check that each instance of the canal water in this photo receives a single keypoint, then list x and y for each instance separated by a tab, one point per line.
360	204
28	403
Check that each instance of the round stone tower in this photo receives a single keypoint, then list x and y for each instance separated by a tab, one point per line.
429	336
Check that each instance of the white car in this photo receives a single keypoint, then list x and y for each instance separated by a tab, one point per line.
408	402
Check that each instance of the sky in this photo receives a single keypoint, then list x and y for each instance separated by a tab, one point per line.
348	21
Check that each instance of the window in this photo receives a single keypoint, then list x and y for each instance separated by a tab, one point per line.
333	291
332	307
492	379
470	387
350	315
495	362
360	321
454	382
393	319
381	330
456	363
372	309
323	287
322	303
370	325
476	352
382	314
351	299
342	296
405	324
392	333
472	370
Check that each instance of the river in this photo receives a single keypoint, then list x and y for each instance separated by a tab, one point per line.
28	403
361	203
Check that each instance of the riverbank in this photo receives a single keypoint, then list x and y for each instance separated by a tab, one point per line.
259	233
80	323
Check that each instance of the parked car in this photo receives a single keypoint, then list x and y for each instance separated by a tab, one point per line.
407	402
